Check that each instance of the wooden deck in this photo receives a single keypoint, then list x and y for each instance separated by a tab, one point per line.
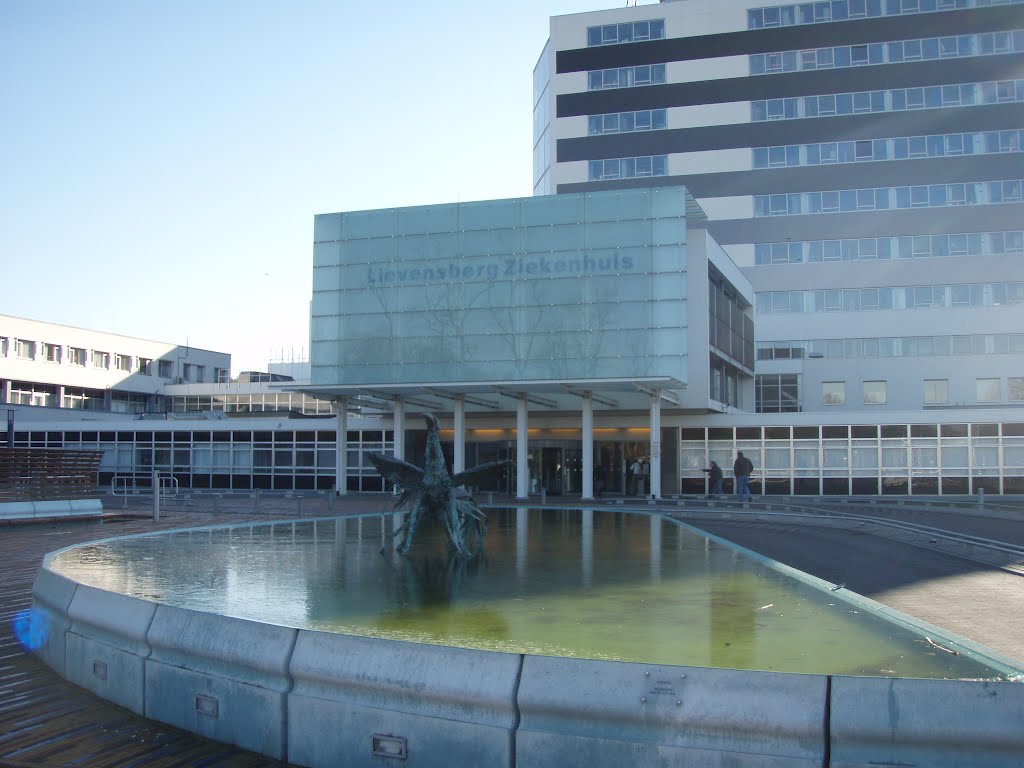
47	722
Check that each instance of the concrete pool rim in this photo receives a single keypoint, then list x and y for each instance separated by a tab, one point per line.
203	672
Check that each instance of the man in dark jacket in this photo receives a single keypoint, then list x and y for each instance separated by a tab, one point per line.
715	476
742	468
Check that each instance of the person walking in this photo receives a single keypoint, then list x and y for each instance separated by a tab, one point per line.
715	477
742	468
637	472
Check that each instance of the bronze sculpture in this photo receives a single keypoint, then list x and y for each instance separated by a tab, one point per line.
434	493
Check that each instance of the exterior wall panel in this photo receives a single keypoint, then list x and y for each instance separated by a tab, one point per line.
544	288
694	45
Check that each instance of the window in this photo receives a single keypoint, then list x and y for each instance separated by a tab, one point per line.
166	369
637	31
123	362
1016	386
833	393
627	122
76	356
881	198
4	344
875	393
221	376
25	350
628	167
777	393
51	352
100	359
626	77
987	390
145	366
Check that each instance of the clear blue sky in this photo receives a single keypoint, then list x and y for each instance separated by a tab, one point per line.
161	162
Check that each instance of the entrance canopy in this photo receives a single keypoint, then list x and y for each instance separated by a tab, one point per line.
498	397
580	396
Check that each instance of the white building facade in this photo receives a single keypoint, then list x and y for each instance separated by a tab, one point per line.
861	161
60	366
151	405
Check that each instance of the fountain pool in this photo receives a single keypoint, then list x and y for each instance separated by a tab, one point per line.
575	629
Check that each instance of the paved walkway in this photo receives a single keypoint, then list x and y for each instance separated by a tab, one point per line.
46	722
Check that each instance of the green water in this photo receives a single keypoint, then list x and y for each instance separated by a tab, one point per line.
590	584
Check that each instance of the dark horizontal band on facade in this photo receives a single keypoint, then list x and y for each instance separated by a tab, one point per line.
808	83
771	133
960	22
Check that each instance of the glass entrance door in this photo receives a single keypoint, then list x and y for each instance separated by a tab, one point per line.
557	466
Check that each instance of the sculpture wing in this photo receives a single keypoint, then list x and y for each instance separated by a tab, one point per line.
399	472
480	472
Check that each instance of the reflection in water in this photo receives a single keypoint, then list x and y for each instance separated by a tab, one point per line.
584	583
587	548
522	541
733	629
426	593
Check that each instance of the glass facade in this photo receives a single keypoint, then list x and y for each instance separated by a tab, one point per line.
293	459
250	402
777	392
841	10
900	458
900	247
585	286
627	168
627	122
885	198
731	341
924	49
896	100
871	299
904	148
541	122
866	459
626	77
894	346
628	32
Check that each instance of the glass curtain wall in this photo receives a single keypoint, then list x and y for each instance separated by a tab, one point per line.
543	288
869	459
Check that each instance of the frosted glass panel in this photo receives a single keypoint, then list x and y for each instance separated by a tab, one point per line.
325	254
428	218
539	288
488	215
560	209
362	224
327	228
668	259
